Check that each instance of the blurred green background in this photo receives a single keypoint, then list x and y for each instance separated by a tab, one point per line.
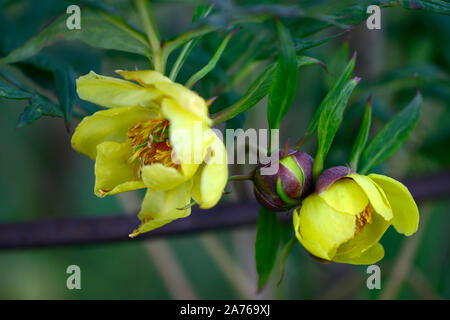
42	177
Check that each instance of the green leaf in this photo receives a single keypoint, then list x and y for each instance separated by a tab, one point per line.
333	95
329	122
39	106
5	74
286	250
392	136
211	64
64	80
284	85
266	244
435	6
98	29
66	90
258	89
200	11
362	136
6	91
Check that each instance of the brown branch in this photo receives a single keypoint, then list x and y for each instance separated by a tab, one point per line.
73	231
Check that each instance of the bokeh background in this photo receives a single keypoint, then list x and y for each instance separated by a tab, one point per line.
42	177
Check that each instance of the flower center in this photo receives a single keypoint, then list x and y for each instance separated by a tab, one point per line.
364	218
150	142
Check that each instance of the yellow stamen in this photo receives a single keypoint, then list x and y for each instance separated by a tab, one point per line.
364	218
151	144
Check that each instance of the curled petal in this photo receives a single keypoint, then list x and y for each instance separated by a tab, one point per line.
345	195
372	255
112	173
376	199
404	209
158	177
186	133
107	125
211	178
366	238
114	93
162	207
321	229
190	101
144	77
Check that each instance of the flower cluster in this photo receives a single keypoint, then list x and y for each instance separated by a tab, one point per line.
136	143
343	219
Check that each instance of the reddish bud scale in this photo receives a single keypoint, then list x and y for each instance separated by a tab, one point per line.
330	176
286	188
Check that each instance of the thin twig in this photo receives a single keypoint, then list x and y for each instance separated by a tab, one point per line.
75	231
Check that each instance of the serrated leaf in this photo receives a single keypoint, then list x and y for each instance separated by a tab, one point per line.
363	135
329	122
392	136
7	91
98	29
39	106
266	244
284	85
258	89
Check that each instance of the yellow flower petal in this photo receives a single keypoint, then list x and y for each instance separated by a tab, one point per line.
374	195
404	209
345	195
366	238
372	255
320	229
144	77
211	178
187	134
157	177
162	207
107	125
311	246
113	93
112	173
187	99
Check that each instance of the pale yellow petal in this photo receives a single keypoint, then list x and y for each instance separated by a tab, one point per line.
157	177
372	255
212	176
366	238
107	125
345	195
404	208
311	246
187	99
320	229
187	134
162	207
144	77
374	195
112	172
113	93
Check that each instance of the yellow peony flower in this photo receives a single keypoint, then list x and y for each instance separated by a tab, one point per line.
154	135
349	213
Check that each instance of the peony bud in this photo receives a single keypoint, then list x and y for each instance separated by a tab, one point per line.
286	188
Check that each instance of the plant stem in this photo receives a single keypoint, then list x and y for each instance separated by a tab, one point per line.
145	15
